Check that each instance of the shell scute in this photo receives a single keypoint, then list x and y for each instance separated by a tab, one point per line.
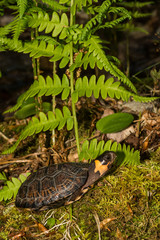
51	186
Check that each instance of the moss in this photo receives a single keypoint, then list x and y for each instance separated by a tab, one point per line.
133	199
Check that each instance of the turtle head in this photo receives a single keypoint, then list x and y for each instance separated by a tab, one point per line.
99	167
104	162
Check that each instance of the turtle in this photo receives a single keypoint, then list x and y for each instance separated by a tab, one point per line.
61	184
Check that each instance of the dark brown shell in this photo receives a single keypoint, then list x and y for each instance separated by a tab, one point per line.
52	186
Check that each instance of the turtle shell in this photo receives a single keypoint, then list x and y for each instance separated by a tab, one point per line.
52	186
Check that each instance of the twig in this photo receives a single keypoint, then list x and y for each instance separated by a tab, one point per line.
6	138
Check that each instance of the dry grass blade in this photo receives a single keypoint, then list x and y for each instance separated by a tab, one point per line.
98	224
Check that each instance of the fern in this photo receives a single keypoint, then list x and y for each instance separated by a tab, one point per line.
11	187
94	45
85	86
137	14
55	5
91	28
19	27
44	124
57	25
82	3
35	48
39	48
47	39
47	88
103	10
92	149
22	5
8	28
135	4
60	41
3	177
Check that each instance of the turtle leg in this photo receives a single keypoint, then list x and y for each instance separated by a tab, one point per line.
76	196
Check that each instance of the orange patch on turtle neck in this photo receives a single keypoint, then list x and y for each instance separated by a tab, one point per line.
101	168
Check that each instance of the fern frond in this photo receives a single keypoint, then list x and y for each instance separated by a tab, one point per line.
3	176
44	124
16	27
86	33
61	52
19	27
35	48
85	86
122	11
74	33
135	4
103	9
22	5
43	87
11	188
7	28
137	14
48	39
55	5
91	28
95	47
83	3
143	99
92	149
57	25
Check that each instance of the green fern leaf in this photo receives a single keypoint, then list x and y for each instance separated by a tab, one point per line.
35	48
137	14
55	5
125	155
85	86
22	5
11	188
82	3
95	47
103	9
135	4
43	124
57	25
3	176
19	27
43	87
96	22
7	28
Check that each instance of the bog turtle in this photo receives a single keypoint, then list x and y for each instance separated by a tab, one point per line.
62	184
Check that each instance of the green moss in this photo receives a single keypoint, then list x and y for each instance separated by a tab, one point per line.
133	199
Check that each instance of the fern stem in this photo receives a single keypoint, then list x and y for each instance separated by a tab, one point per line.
72	83
53	106
33	59
127	55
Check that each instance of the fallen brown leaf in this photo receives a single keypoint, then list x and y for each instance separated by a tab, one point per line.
105	221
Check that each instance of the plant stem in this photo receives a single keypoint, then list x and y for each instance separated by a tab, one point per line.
72	84
38	100
127	55
53	105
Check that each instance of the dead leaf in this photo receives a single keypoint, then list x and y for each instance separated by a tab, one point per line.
105	221
107	111
129	208
120	136
119	235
